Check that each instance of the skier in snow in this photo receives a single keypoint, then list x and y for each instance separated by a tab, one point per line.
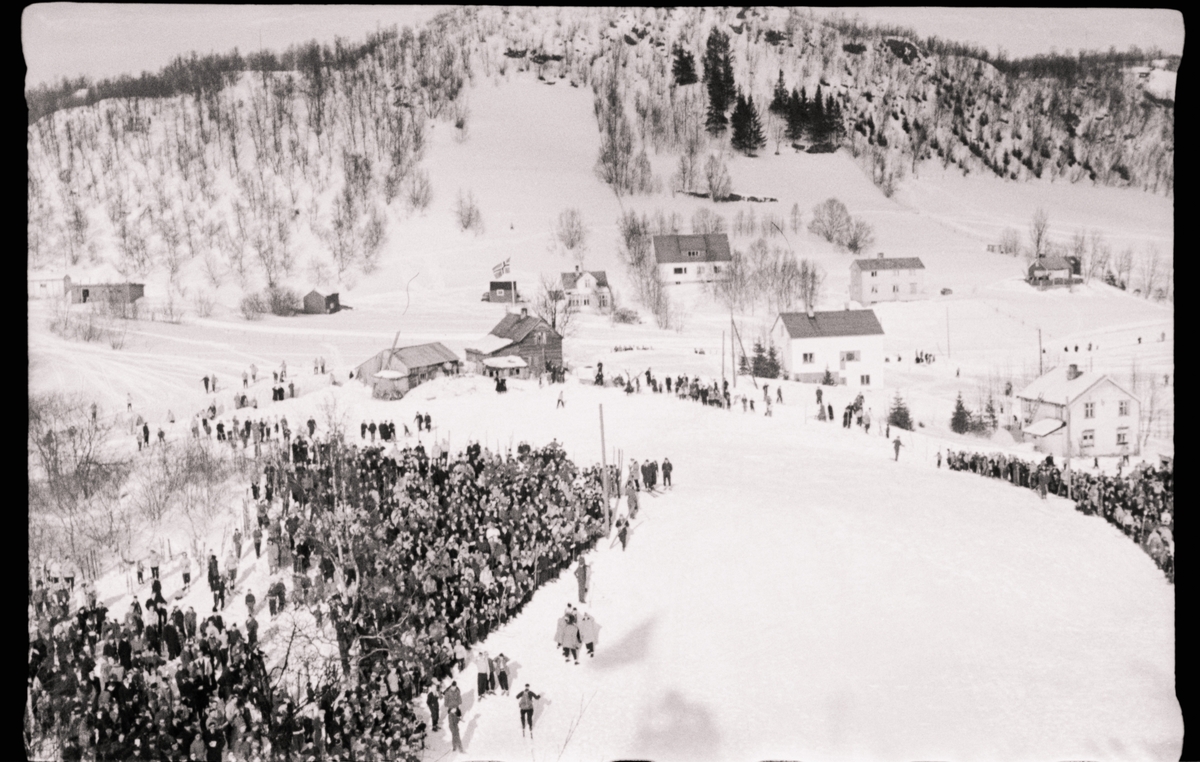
501	662
560	401
452	696
525	701
623	531
452	718
939	458
896	445
779	394
431	701
667	468
633	473
481	676
582	573
587	633
631	500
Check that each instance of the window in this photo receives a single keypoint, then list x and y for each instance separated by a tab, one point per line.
1089	410
716	268
874	289
808	357
1122	436
499	292
699	269
1088	439
864	380
895	289
693	254
1123	407
853	356
680	270
874	273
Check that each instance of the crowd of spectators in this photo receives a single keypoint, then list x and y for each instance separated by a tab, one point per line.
407	559
1141	503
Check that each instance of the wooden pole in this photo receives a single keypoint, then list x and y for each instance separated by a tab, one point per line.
722	355
1039	352
947	330
733	368
604	472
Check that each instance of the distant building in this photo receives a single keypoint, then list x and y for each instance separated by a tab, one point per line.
316	303
109	293
848	344
584	288
525	336
887	279
392	373
692	258
46	286
1099	417
502	291
1054	270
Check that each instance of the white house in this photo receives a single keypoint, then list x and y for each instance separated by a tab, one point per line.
43	285
887	279
1072	413
692	258
584	288
847	343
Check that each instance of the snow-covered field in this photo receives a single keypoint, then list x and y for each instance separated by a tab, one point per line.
799	593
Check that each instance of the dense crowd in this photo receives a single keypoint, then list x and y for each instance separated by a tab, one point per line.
409	558
1141	503
712	392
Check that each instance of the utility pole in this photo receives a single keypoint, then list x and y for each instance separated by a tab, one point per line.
947	331
733	369
1039	352
722	355
1068	469
604	471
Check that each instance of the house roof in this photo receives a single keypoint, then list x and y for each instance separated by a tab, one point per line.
418	356
713	247
1051	262
316	293
834	323
570	279
516	327
505	285
489	344
890	263
1053	387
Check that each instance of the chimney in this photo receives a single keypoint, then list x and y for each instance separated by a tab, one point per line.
881	255
524	312
811	314
576	268
1073	372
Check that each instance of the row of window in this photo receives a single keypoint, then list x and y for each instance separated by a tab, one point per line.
1089	408
854	356
912	289
699	270
1089	437
910	273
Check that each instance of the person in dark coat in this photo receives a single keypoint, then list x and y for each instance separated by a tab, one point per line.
257	537
432	702
428	422
896	445
171	636
251	632
666	472
582	576
525	701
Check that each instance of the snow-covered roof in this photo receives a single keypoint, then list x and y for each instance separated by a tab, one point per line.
390	375
516	327
1044	427
1050	262
508	361
1055	387
834	323
569	280
488	344
424	355
890	263
713	247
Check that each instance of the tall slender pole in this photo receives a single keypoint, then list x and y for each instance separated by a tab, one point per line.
1040	352
722	355
604	471
733	362
947	330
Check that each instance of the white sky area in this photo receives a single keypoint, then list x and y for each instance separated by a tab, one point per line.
102	40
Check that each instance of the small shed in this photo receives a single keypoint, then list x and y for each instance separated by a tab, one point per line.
502	291
392	373
316	303
47	286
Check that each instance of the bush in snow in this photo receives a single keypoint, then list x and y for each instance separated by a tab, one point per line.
831	220
898	415
253	306
625	316
466	213
283	301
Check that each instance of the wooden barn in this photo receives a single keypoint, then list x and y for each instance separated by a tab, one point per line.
110	293
394	372
520	335
316	303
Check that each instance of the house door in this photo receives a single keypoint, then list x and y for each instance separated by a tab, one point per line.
85	296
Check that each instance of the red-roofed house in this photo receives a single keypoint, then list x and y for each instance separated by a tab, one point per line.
847	343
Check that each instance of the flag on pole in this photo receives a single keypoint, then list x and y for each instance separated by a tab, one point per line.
501	268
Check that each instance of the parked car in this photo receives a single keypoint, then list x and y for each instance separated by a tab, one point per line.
946	292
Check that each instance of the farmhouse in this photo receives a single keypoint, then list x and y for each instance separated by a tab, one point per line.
692	258
46	286
887	279
316	303
392	373
847	344
502	291
1054	270
524	336
1068	412
584	288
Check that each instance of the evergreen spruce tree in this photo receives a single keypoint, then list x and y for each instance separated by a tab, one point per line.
759	363
828	379
797	115
834	128
684	67
780	100
747	129
899	416
718	75
773	369
816	123
743	366
990	416
960	420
